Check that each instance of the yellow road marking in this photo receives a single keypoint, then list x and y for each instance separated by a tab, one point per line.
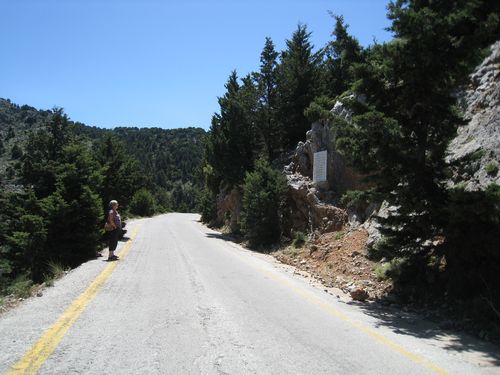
34	358
358	325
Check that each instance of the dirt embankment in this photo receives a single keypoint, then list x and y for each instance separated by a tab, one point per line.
338	260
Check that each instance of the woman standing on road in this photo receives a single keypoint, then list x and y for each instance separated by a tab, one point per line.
115	221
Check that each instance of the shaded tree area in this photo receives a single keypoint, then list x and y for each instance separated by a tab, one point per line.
57	218
442	238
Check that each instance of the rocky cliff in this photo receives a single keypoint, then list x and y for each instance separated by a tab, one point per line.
474	154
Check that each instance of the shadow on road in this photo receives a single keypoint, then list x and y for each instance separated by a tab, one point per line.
413	324
225	237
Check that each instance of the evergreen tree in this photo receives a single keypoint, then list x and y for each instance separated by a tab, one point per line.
263	195
268	123
16	152
401	135
143	203
230	144
121	173
10	133
298	84
340	56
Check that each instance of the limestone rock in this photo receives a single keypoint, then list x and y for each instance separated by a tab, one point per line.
307	212
476	149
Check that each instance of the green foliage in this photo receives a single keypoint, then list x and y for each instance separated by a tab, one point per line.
263	195
472	237
339	235
70	172
299	239
491	168
16	152
341	54
20	287
230	144
319	109
382	270
353	199
400	134
122	174
298	85
143	203
391	270
267	120
10	133
207	206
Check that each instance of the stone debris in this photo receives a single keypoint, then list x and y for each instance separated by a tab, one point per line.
359	294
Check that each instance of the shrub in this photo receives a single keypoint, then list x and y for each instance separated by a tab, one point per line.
299	239
21	287
207	206
263	195
143	203
339	235
381	271
56	271
491	168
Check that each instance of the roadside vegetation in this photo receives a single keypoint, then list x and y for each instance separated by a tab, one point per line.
441	242
57	180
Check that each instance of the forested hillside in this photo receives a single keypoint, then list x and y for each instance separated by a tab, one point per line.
402	97
57	177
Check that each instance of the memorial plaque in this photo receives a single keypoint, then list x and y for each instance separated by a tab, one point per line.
319	166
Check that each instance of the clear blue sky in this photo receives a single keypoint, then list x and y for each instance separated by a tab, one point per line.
151	62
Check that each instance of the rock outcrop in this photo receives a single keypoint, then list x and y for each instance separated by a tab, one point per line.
475	153
312	205
307	212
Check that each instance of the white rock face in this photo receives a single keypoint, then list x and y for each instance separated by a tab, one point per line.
475	151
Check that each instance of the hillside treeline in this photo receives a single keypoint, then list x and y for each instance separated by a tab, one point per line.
58	176
404	98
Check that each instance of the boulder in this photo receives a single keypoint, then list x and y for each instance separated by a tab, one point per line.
359	294
307	212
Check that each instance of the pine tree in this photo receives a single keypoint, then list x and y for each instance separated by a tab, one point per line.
263	195
122	176
268	123
230	144
298	84
340	56
401	135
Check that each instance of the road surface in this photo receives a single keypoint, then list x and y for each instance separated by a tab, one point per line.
183	300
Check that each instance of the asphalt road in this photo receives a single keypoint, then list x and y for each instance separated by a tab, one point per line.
183	300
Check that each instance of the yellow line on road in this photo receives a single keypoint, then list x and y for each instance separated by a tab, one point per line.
344	317
43	348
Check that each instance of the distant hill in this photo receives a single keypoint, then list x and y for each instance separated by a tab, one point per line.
168	157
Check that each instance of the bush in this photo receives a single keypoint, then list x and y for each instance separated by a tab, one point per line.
263	195
299	239
143	203
491	168
21	287
207	206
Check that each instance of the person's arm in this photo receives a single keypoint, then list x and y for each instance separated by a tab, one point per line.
111	219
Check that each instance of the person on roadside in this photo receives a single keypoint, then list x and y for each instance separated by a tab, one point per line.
114	219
